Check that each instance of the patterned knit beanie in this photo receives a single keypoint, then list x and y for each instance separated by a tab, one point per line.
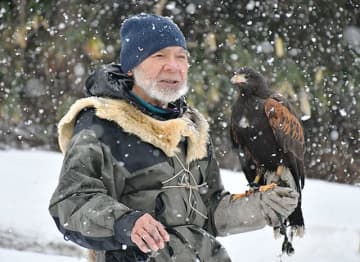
145	34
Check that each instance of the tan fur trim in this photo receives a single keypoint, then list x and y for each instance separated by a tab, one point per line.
91	256
165	135
198	138
66	124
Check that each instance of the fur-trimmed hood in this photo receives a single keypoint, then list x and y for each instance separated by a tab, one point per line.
164	134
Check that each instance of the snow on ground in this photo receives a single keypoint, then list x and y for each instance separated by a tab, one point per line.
332	217
8	255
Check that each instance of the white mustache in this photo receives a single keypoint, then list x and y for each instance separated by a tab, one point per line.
163	95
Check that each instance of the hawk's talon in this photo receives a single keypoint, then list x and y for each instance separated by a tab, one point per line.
242	195
267	187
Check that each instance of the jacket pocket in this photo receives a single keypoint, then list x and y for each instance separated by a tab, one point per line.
171	207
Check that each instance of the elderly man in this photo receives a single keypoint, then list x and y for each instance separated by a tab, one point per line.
139	180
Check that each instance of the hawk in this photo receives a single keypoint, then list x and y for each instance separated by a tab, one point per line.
266	129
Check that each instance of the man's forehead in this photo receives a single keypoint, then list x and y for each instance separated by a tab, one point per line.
176	49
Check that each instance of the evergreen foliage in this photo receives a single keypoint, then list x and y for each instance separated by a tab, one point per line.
308	50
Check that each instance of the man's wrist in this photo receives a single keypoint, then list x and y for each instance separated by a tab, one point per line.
124	225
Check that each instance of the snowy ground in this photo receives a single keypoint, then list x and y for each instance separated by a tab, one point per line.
27	233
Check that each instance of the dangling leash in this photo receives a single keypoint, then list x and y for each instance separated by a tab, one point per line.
286	247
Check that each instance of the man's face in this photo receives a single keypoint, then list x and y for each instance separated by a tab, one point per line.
163	75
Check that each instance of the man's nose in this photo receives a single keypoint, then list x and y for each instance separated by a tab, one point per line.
172	64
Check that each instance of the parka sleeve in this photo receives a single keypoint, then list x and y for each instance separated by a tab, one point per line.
215	189
226	216
82	205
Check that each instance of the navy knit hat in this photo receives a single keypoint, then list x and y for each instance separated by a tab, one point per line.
145	34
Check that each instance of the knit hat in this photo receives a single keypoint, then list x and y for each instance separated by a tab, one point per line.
145	34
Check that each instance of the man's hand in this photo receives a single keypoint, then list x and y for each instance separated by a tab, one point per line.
148	233
278	201
286	179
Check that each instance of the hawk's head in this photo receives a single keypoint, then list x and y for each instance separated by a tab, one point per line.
247	79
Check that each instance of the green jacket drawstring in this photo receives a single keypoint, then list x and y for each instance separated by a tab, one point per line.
185	182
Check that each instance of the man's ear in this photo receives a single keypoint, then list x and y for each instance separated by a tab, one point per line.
130	73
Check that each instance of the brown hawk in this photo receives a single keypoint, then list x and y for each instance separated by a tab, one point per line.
267	131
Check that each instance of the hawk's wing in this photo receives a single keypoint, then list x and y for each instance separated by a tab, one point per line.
233	135
288	131
247	162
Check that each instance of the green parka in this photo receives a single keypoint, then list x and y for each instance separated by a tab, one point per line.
121	161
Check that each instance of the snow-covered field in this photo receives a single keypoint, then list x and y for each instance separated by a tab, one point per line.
27	232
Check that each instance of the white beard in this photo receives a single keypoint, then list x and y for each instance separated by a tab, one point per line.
164	95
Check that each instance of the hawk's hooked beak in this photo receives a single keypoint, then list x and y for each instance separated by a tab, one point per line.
238	79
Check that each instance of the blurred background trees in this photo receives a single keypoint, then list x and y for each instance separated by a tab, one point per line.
308	50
